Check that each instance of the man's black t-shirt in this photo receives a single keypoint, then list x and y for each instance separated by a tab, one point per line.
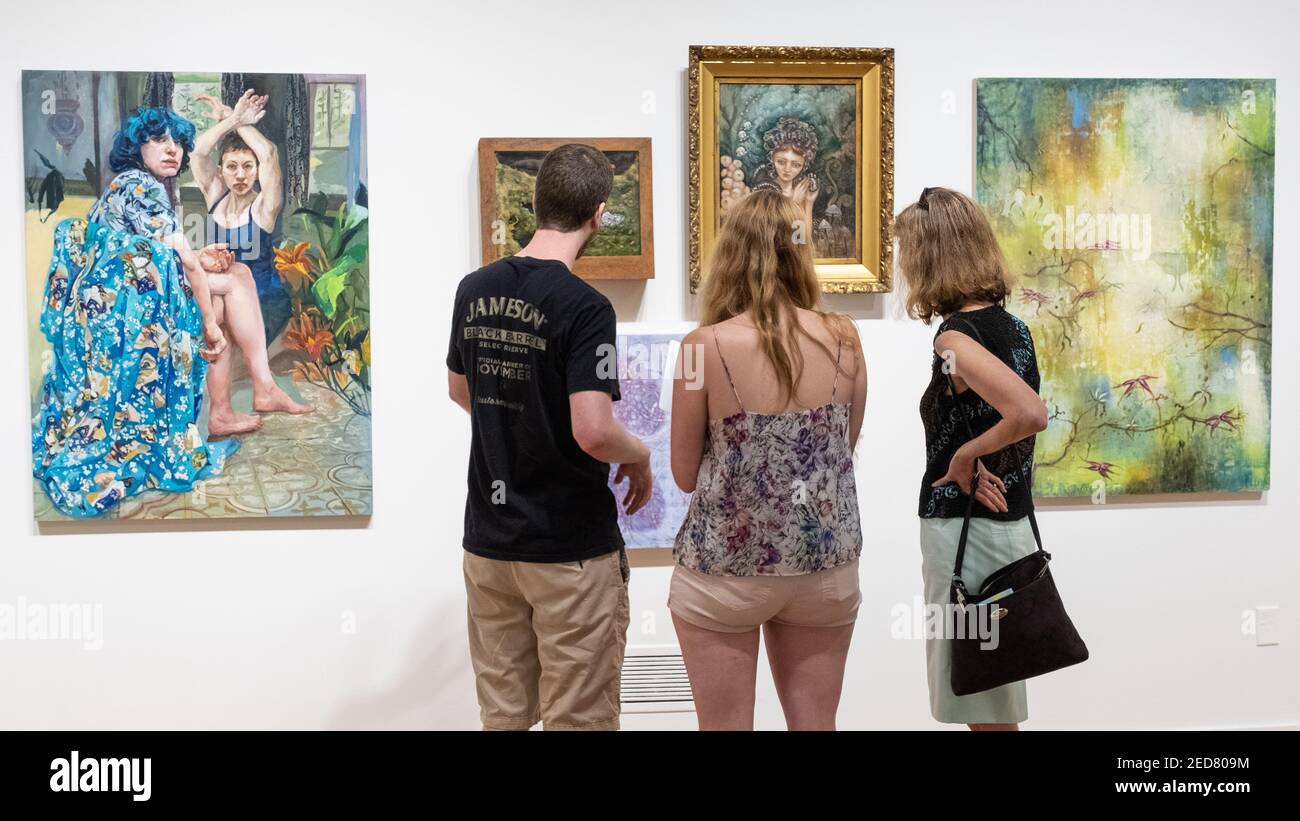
527	333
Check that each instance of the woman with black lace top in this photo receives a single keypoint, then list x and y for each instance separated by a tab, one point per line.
954	270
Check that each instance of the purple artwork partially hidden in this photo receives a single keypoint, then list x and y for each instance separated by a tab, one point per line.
645	379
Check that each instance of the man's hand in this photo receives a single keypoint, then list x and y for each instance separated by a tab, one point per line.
640	483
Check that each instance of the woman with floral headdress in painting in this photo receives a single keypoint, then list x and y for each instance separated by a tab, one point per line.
791	147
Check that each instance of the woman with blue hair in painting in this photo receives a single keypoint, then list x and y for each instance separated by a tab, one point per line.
244	193
128	312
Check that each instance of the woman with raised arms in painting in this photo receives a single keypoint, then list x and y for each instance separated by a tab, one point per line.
128	312
244	194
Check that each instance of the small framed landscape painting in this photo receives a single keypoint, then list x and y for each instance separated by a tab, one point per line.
623	248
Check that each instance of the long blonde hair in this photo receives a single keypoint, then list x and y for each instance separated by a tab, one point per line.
948	255
763	264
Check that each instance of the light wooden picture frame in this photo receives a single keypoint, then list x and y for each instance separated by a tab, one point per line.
622	249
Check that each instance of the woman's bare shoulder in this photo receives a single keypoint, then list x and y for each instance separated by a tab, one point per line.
829	327
697	335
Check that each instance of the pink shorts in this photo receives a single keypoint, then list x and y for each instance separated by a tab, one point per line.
738	604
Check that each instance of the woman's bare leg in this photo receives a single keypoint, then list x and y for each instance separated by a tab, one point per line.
223	420
808	669
722	668
243	314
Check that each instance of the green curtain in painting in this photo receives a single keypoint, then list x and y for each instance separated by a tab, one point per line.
297	139
232	88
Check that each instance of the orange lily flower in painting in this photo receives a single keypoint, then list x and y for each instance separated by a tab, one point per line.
304	335
294	261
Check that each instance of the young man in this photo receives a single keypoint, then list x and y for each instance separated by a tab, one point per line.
532	361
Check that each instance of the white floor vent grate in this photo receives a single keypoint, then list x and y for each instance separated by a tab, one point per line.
655	681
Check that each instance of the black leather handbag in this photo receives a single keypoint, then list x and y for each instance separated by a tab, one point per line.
1034	633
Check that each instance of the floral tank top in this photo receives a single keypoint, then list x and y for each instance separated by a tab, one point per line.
775	494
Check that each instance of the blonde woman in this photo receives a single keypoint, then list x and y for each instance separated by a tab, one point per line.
772	537
954	271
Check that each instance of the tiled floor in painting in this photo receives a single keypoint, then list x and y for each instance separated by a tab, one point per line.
317	464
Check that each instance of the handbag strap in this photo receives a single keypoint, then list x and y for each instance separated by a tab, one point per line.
970	502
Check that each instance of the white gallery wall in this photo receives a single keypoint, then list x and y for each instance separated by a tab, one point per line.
315	627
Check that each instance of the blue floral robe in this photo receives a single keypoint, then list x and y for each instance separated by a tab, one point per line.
124	385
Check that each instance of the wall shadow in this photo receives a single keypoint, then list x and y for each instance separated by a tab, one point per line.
439	661
625	295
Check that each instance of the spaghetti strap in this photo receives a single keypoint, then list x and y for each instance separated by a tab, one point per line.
213	209
726	369
839	351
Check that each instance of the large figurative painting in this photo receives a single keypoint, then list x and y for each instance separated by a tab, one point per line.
1138	218
198	290
646	365
623	248
815	124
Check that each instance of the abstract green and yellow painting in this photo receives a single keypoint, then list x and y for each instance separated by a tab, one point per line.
1137	219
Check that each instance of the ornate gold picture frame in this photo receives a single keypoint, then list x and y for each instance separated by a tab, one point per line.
814	123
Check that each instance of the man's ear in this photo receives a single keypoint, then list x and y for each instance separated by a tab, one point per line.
595	220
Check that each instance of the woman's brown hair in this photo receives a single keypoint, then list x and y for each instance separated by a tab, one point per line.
948	255
763	264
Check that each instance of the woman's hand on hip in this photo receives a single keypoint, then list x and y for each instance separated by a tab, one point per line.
990	490
966	472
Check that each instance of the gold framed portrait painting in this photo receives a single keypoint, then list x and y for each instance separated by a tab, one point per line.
623	248
816	124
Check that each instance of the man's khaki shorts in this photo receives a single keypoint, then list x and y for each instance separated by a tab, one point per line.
546	641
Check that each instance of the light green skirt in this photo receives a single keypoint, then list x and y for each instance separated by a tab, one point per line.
990	546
